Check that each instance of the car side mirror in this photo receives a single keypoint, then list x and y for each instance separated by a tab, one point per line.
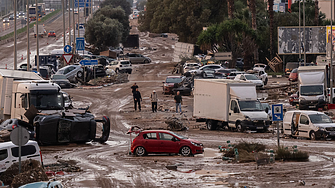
236	110
266	110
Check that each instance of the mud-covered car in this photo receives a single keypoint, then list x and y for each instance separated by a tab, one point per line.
72	126
171	82
11	124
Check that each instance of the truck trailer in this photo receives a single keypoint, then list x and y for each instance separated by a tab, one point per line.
229	104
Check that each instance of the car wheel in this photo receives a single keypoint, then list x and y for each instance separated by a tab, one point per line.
312	135
185	151
266	81
140	151
239	127
204	75
146	61
211	124
79	74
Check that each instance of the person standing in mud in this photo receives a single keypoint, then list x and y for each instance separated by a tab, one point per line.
137	99
154	99
178	99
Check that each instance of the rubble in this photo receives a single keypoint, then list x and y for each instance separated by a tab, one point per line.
175	124
32	171
63	166
4	136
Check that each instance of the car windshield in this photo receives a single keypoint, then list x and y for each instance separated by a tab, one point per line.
250	106
311	90
173	80
319	118
47	101
179	136
251	77
266	105
58	77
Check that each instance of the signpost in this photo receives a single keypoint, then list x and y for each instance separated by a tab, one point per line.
67	58
67	49
80	41
19	136
85	62
277	115
82	3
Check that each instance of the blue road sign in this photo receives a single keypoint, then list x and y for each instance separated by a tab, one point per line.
80	43
277	112
82	3
89	62
67	49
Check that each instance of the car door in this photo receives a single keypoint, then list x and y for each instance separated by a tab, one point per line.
150	142
304	126
233	116
5	159
168	143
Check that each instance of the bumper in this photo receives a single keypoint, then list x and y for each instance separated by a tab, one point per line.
303	104
197	150
325	134
259	125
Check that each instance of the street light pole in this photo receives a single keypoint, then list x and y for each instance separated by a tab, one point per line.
28	47
74	28
15	38
69	22
63	10
304	20
299	35
37	36
331	52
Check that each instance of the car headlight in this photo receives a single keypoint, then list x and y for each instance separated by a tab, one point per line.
302	98
196	144
247	118
322	129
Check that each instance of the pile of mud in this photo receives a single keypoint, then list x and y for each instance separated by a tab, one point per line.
31	171
63	165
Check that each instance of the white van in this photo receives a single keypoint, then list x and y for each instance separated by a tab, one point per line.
9	153
308	124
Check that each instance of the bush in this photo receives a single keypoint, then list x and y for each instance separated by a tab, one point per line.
287	155
250	147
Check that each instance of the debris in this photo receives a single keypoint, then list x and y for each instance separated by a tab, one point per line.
175	124
301	183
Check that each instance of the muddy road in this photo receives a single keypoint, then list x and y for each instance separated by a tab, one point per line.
110	165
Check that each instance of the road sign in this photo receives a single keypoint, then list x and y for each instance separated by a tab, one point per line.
19	136
82	3
223	56
67	49
89	62
80	43
67	58
277	112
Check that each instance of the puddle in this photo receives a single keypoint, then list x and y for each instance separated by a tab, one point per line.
315	158
212	153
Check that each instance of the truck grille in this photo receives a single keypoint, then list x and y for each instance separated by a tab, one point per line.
259	123
330	128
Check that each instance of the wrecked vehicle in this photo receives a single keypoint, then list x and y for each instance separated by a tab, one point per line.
229	104
170	83
309	124
170	142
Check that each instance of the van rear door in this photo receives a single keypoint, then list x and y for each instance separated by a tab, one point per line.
5	159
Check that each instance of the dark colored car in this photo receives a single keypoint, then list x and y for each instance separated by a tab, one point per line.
161	141
51	34
11	124
61	80
223	73
293	75
170	82
294	99
99	71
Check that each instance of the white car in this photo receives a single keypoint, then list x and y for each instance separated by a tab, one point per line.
259	67
308	124
120	66
190	66
263	76
201	70
251	78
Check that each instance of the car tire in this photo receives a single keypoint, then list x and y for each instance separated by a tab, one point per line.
145	61
79	74
140	151
185	151
211	124
312	135
239	127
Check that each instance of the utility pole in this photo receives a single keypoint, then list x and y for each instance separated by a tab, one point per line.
63	10
331	52
28	47
74	29
15	38
299	35
37	36
304	18
69	22
78	20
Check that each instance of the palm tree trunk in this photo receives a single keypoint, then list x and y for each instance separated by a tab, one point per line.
231	9
271	27
316	18
252	8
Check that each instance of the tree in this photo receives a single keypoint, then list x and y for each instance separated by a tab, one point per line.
103	32
316	17
271	26
252	8
231	9
125	5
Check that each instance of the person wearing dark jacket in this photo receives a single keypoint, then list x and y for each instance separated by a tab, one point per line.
178	99
137	99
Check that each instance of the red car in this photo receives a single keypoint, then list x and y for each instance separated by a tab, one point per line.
161	141
170	82
294	99
51	34
293	75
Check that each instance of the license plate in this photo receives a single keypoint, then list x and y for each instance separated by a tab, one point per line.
312	106
259	128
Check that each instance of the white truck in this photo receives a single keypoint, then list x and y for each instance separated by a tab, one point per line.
312	87
229	104
41	31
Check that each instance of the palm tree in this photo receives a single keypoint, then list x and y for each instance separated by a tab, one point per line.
231	9
270	3
316	18
252	8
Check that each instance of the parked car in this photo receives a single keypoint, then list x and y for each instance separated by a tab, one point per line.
170	82
190	66
10	153
269	109
239	63
262	75
137	58
44	71
11	124
46	184
328	94
308	124
293	75
72	72
51	34
5	20
251	78
61	80
223	73
169	142
233	74
259	67
11	17
120	66
98	71
294	99
200	71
